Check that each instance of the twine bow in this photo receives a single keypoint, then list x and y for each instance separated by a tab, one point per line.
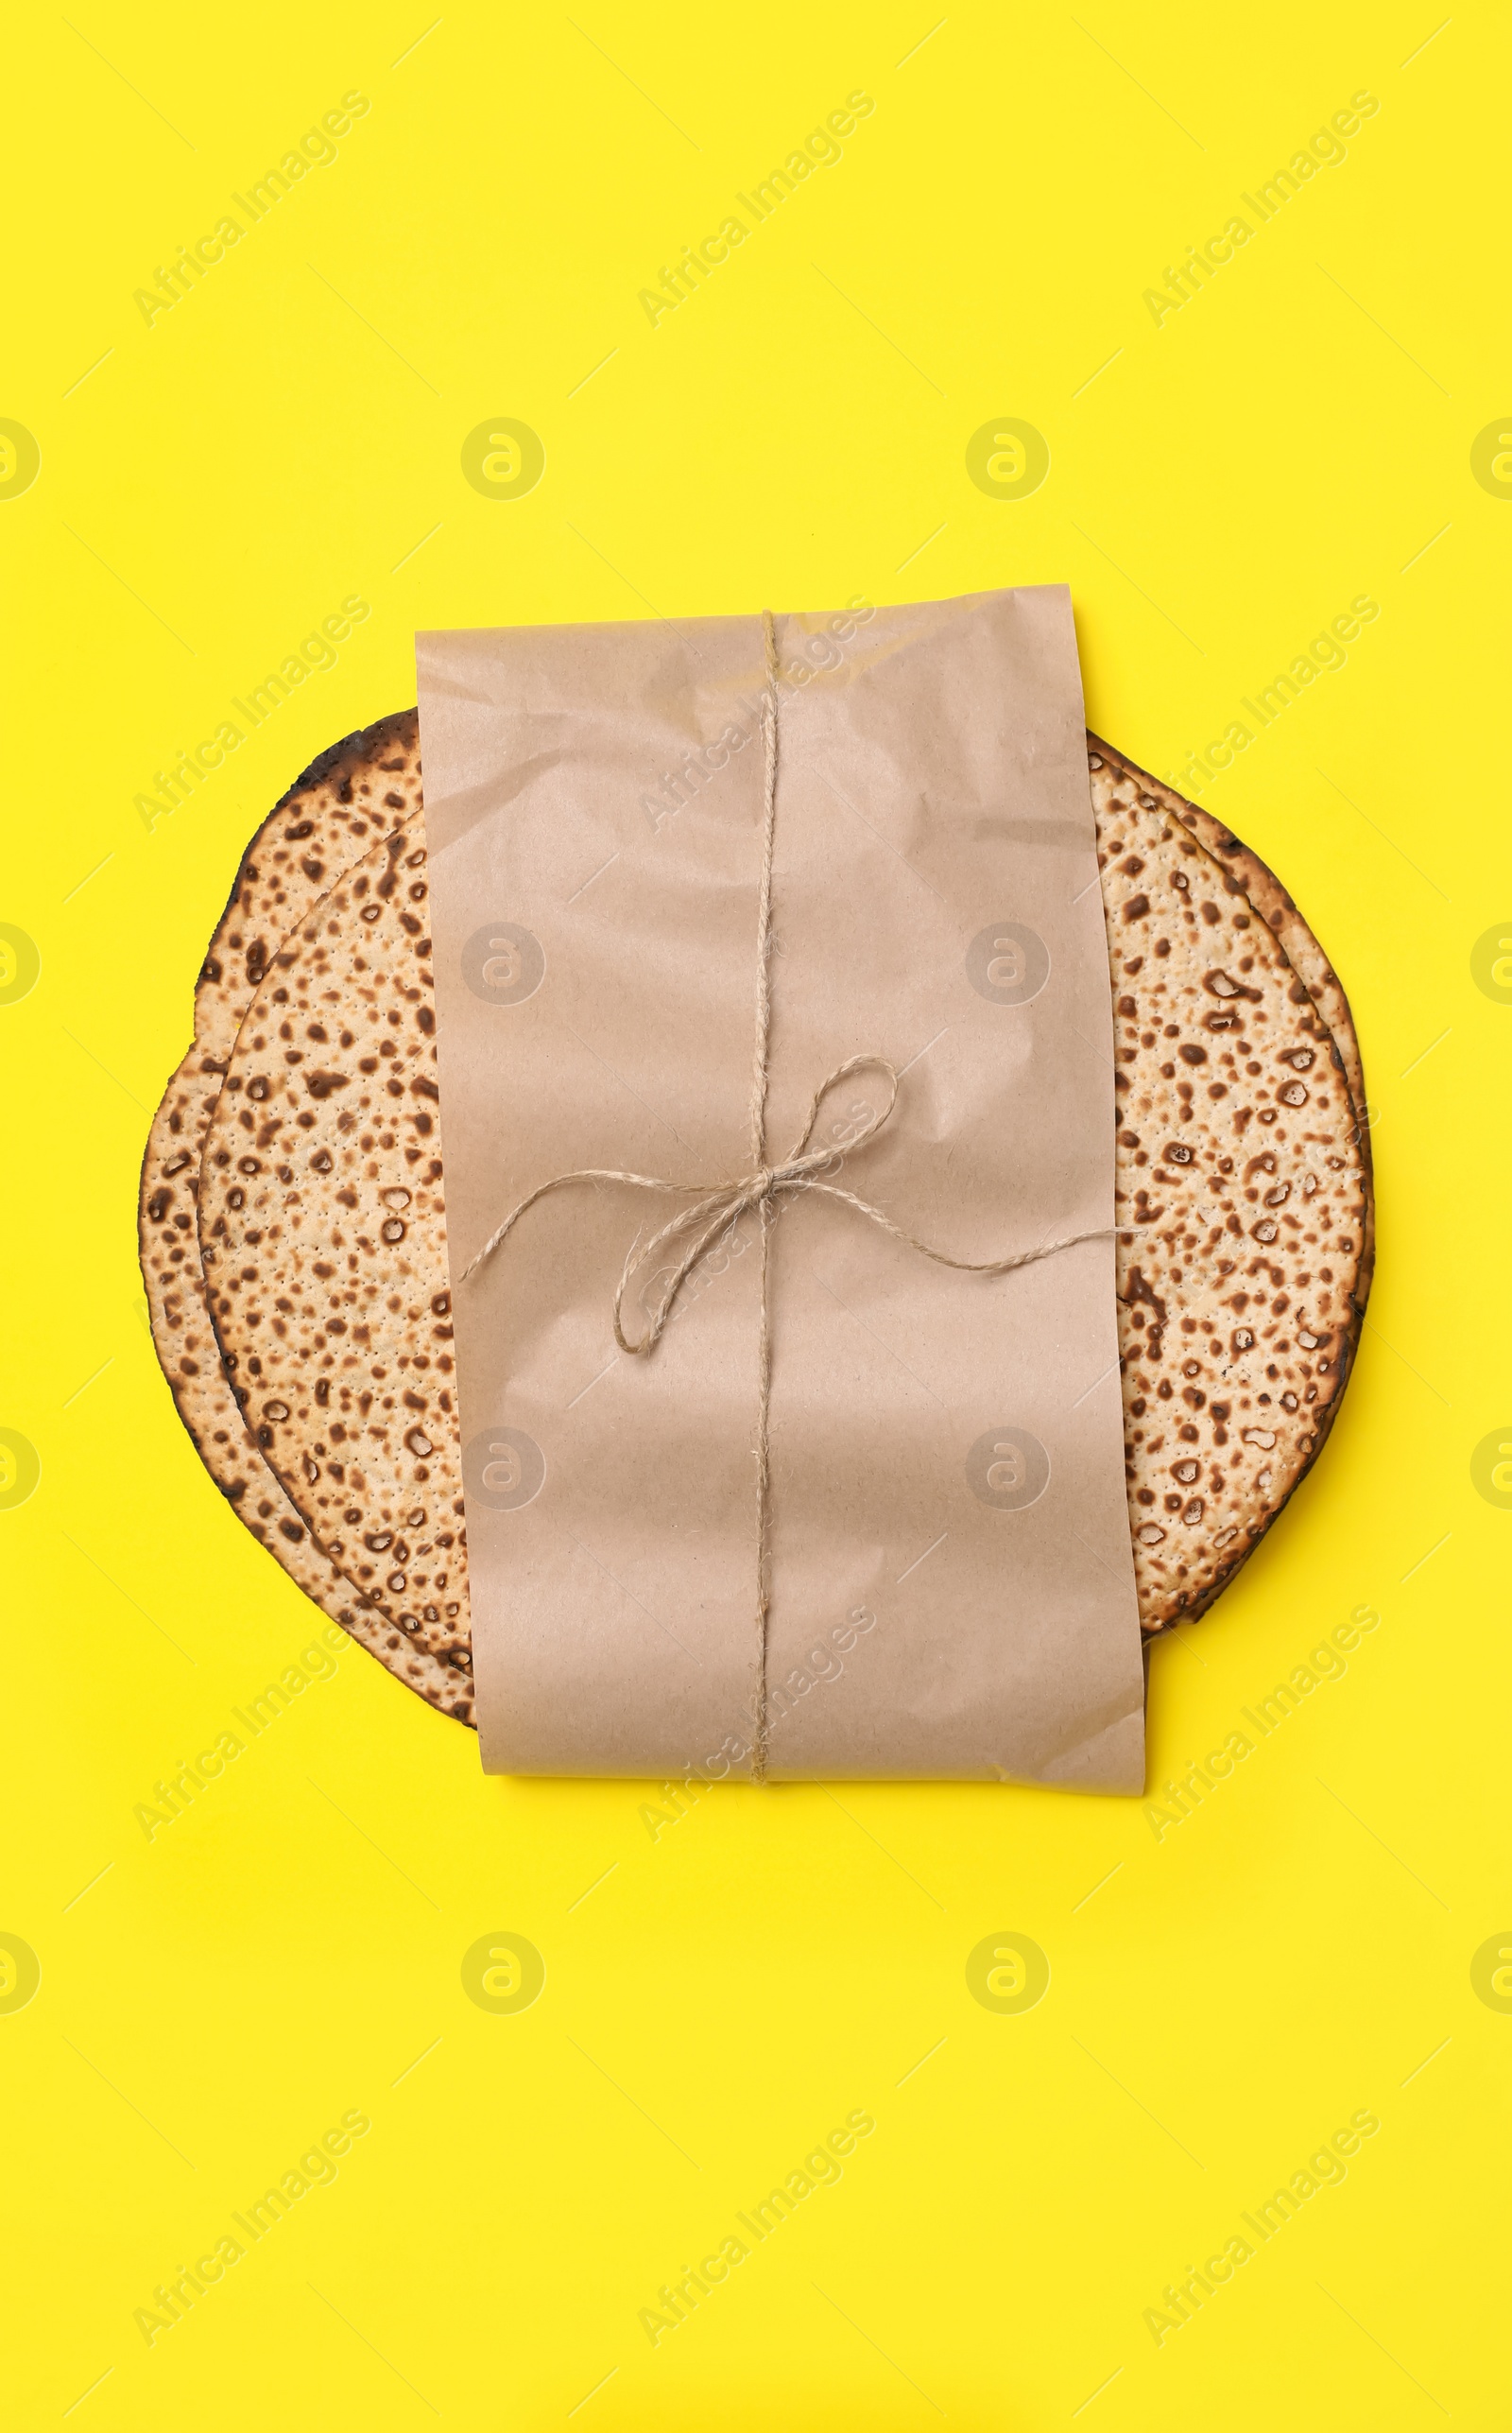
719	1206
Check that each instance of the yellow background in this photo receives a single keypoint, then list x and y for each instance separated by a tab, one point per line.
1221	486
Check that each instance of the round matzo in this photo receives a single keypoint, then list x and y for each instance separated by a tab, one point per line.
1237	1305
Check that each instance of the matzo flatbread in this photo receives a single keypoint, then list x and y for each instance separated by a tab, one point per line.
328	818
323	1237
1239	1303
1241	1151
1245	872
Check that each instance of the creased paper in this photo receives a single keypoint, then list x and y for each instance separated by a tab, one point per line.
951	1588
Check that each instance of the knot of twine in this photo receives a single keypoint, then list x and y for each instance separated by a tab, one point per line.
719	1206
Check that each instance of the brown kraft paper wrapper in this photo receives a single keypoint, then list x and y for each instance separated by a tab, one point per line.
952	1592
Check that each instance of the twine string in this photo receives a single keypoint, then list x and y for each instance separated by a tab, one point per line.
719	1206
767	1184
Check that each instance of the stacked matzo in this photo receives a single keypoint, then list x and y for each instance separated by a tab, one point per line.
294	1229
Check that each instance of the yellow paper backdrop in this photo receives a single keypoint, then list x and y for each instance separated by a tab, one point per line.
1321	415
